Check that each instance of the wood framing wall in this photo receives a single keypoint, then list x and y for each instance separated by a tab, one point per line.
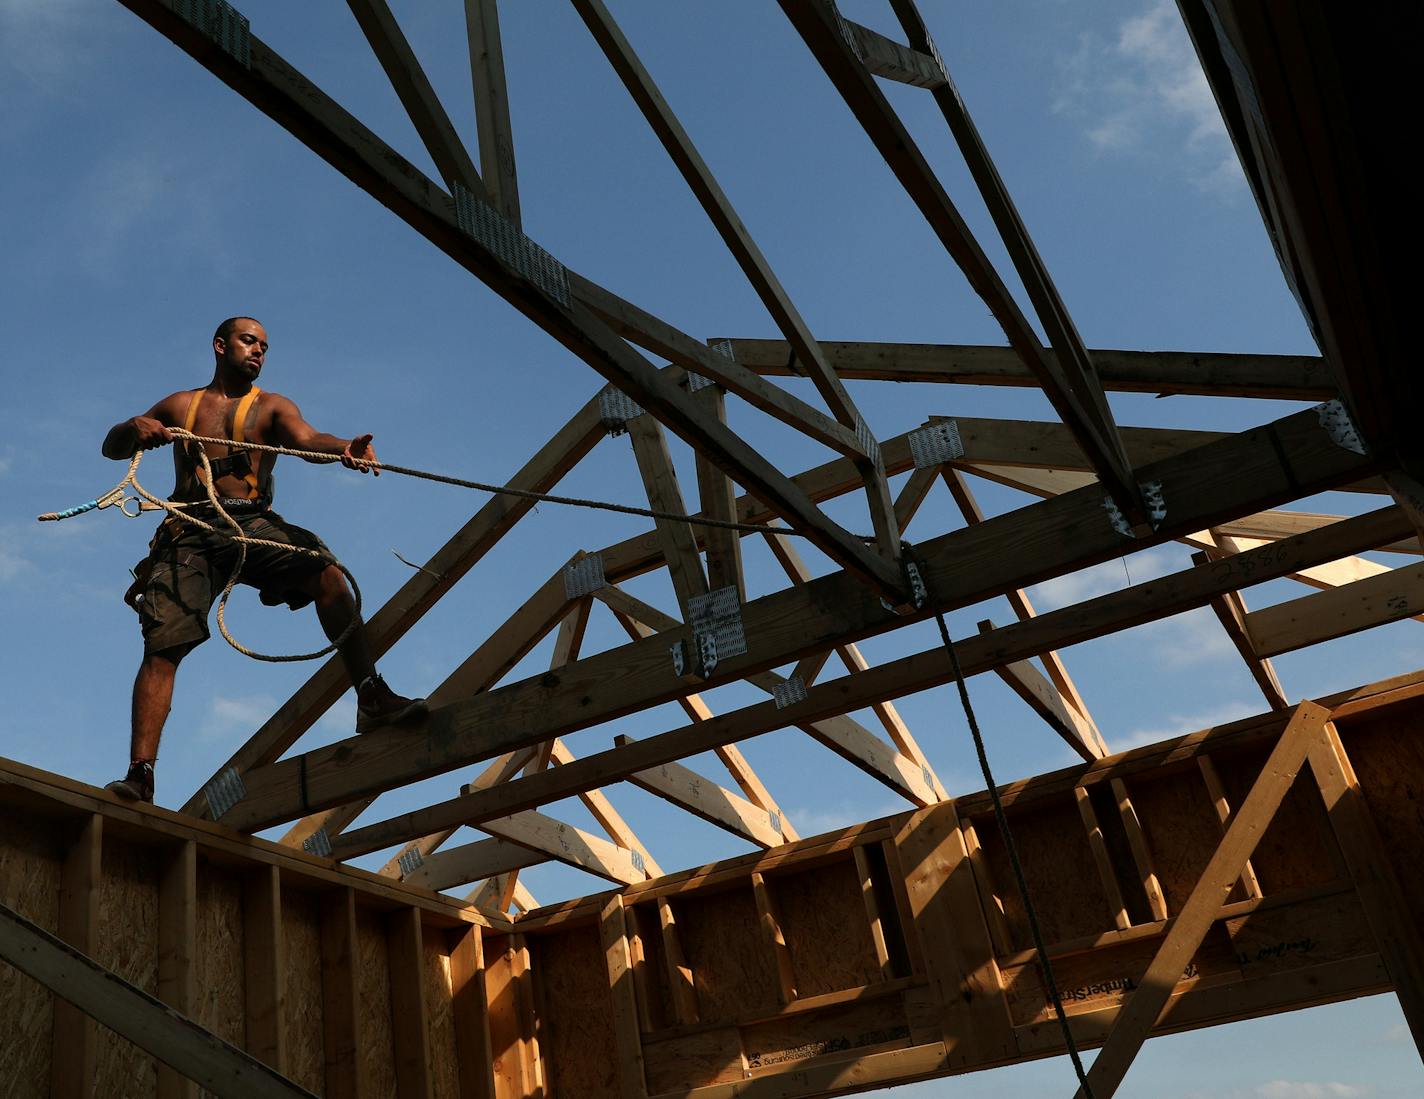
889	951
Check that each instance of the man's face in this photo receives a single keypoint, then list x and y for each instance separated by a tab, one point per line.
244	349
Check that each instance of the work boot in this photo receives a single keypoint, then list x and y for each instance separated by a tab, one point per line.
137	785
378	705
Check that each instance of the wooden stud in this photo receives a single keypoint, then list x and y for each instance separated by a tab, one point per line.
681	980
495	134
992	901
638	962
341	998
1251	888
1143	1006
1102	859
177	950
471	1013
718	497
100	994
872	913
264	966
775	939
1141	855
410	1022
613	934
75	1042
530	1021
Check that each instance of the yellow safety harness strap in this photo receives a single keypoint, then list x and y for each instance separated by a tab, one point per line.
239	434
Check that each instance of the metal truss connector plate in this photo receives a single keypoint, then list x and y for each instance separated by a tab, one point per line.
718	615
936	443
789	691
503	238
1154	500
221	22
410	861
318	843
616	408
584	576
1335	419
225	791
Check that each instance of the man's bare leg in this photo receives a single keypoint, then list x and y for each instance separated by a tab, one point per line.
152	699
376	703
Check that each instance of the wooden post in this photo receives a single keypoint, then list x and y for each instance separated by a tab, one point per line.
177	945
340	995
75	1042
410	1020
629	1051
264	968
471	1012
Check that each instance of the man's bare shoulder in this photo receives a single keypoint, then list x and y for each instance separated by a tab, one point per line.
173	408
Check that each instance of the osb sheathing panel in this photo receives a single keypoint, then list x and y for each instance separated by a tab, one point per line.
375	1003
694	1060
731	962
824	921
1062	877
1297	849
576	1036
128	944
1388	755
221	995
444	1054
302	1006
1181	828
31	853
863	1028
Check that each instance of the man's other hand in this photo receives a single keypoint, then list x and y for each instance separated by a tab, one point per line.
360	454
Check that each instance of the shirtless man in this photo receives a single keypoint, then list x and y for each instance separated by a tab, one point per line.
187	566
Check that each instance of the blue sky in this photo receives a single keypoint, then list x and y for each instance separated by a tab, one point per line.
145	202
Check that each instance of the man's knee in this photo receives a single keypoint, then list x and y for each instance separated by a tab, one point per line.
165	661
328	586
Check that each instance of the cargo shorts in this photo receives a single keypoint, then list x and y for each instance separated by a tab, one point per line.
187	567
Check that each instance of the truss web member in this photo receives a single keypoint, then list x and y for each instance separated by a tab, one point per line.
187	567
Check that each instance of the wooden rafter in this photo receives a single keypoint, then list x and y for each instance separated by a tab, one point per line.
664	494
496	135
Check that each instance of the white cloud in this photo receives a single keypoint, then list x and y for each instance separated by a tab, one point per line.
1294	1089
830	818
5	465
242	714
1144	92
1185	640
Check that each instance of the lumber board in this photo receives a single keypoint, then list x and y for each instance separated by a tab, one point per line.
471	1014
1336	612
628	1051
1105	614
894	61
471	862
494	133
143	1019
74	1049
264	967
1208	374
664	494
410	1017
1043	698
567	844
177	946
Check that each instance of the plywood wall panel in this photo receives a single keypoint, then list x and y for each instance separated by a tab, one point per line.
1388	756
301	1009
576	1035
1297	848
128	944
824	921
731	964
374	1004
30	859
444	1055
1181	828
220	979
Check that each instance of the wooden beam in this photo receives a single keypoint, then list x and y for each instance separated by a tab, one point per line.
410	1018
1043	698
680	977
177	952
664	494
1023	609
1142	1007
774	939
264	967
418	594
1212	374
1269	526
471	862
341	998
87	987
739	242
470	1010
74	1048
628	1043
493	129
1148	601
688	790
658	336
1141	852
567	844
1230	610
872	913
416	95
894	61
1337	612
1102	859
1408	493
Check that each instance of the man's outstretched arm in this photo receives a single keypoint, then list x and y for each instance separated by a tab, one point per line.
289	429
